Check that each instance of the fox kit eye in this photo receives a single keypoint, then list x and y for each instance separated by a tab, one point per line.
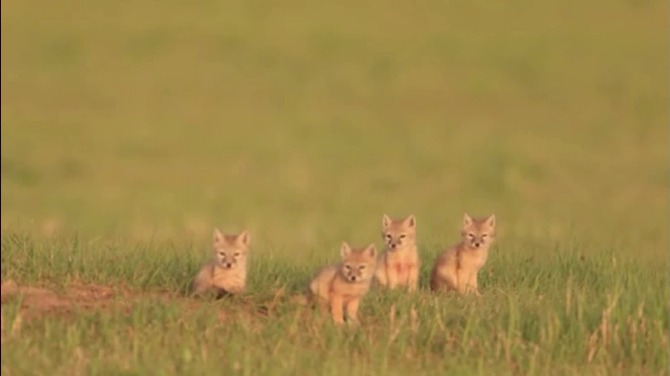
484	236
348	267
403	236
361	267
471	235
237	254
388	236
222	254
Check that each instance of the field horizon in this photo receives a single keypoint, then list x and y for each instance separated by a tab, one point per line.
130	130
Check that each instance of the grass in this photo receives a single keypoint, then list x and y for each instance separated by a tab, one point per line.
130	129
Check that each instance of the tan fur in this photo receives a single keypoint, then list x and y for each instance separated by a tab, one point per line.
342	285
457	267
227	271
399	264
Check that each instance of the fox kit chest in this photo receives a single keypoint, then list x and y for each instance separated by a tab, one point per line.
402	268
401	260
348	291
473	259
229	279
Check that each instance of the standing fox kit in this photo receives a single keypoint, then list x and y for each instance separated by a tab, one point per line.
344	284
227	271
457	267
399	264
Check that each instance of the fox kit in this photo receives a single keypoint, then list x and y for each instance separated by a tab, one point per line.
457	267
344	284
399	264
227	271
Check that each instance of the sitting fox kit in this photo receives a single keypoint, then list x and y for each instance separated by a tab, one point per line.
226	273
344	284
457	267
399	264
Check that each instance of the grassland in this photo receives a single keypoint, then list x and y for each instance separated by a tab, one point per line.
130	129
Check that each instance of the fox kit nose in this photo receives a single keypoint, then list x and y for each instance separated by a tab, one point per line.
229	264
477	244
393	245
353	278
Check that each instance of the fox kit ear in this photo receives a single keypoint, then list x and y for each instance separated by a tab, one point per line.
386	221
218	236
243	238
371	250
345	250
467	220
491	221
411	221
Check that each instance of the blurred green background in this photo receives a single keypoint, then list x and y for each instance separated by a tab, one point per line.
306	121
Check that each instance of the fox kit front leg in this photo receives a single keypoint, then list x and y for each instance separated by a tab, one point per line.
392	275
465	283
461	281
352	310
472	284
336	309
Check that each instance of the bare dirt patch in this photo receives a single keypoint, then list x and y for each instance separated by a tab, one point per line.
36	301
